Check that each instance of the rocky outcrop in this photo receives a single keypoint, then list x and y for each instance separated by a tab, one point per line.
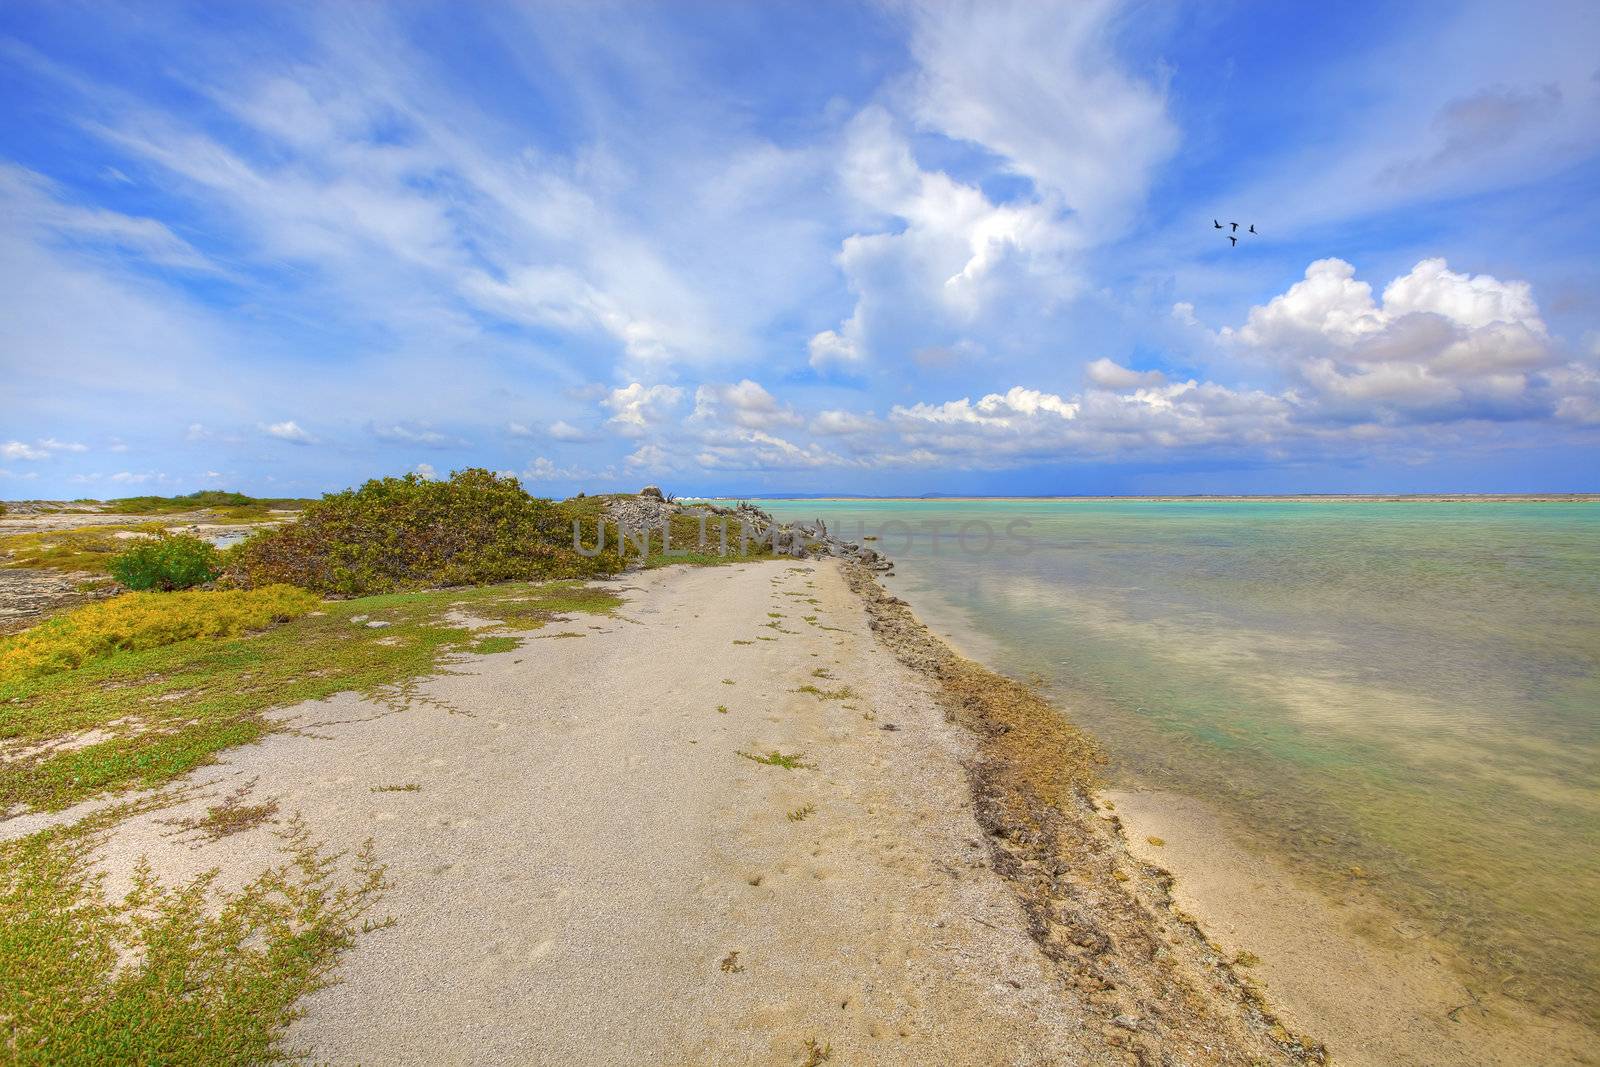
651	508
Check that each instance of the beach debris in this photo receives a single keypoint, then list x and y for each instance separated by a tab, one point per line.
730	963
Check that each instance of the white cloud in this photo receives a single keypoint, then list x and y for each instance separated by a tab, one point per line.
544	469
20	450
843	424
1109	375
1039	84
744	403
426	472
831	349
288	431
38	202
412	434
650	457
1183	311
637	408
1440	345
562	430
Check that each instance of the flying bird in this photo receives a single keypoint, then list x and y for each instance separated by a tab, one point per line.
1217	224
1252	227
1235	226
1234	239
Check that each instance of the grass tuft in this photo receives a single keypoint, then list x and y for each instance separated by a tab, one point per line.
816	1054
842	693
778	759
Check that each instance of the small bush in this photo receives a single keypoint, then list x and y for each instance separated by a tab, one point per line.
394	534
166	562
144	620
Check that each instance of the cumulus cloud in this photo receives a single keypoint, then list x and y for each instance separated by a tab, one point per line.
1438	345
1036	88
636	408
647	457
833	350
426	472
744	403
290	431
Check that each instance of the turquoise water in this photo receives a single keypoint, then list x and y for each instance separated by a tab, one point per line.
1410	690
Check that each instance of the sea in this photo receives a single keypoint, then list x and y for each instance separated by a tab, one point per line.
1404	690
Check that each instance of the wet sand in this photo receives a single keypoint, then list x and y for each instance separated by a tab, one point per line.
1374	988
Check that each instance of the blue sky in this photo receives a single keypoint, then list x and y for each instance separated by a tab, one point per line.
745	248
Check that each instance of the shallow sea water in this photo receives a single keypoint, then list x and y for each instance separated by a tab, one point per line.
1404	693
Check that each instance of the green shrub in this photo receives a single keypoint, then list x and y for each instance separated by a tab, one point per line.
394	534
166	562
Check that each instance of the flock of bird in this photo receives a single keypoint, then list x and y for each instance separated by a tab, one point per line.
1234	235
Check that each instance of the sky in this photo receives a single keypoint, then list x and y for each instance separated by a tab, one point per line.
761	248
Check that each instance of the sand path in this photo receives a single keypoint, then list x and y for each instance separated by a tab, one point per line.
591	873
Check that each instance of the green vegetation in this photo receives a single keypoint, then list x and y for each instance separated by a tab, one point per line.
395	534
140	621
85	548
816	1054
842	693
778	759
408	787
143	717
802	813
166	562
231	816
221	504
171	973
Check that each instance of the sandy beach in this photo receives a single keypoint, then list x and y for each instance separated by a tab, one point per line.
586	866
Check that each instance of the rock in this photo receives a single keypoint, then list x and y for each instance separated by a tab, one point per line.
375	624
652	491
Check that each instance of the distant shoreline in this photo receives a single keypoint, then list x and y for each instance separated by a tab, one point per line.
1287	498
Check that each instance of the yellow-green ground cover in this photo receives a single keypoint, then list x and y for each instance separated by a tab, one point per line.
149	687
